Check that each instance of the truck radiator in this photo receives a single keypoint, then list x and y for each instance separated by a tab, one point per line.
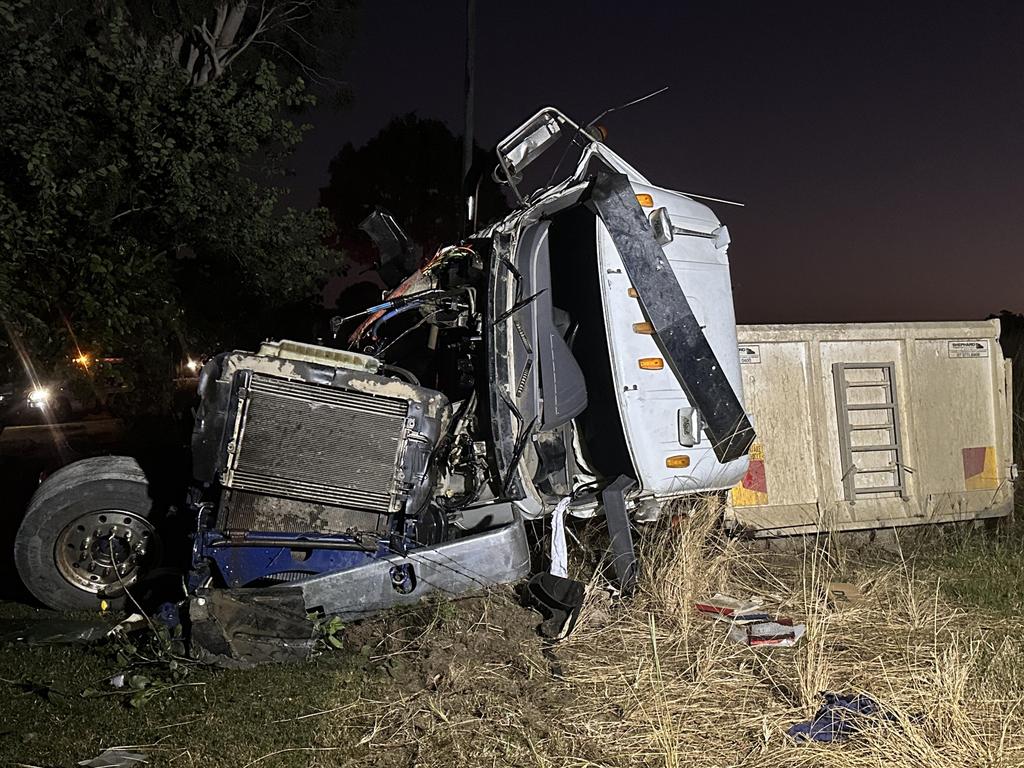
318	444
244	511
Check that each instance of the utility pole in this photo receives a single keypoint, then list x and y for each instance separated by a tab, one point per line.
467	133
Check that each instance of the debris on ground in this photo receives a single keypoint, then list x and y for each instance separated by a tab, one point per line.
844	592
115	758
558	599
732	609
131	624
782	633
750	624
241	629
839	717
54	630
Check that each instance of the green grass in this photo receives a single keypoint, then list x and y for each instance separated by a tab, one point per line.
983	569
57	705
220	718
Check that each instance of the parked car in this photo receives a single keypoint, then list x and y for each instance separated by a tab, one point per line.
53	400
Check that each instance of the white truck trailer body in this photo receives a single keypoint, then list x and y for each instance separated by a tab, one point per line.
874	425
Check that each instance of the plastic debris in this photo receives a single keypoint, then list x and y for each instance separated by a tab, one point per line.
53	630
168	615
723	606
781	632
115	758
749	623
133	622
839	717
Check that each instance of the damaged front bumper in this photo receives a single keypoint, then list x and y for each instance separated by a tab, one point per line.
239	627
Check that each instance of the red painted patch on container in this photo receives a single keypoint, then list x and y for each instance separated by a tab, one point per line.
755	480
974	461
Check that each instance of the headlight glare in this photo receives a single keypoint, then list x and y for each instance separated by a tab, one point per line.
40	395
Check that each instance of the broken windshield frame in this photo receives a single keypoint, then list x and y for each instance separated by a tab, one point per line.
528	142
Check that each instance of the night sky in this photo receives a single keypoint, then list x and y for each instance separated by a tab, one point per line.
879	147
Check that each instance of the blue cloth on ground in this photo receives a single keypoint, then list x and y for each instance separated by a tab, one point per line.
839	718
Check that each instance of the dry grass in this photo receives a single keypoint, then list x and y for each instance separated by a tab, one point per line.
651	683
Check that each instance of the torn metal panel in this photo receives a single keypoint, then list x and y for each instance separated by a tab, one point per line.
242	628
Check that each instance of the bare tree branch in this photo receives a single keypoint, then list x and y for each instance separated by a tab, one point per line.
222	12
229	29
213	43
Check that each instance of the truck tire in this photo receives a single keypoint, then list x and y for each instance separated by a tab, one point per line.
88	534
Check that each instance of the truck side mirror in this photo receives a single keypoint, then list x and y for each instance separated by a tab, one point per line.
396	255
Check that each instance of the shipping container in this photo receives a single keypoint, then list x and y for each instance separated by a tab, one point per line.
874	425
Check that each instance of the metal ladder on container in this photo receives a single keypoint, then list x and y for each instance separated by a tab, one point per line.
850	449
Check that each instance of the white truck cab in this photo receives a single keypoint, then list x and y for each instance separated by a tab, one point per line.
629	413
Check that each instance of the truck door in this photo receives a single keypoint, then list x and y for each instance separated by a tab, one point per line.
680	443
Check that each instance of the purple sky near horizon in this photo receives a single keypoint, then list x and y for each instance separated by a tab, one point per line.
877	146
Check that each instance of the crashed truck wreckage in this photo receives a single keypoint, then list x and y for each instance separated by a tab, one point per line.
584	358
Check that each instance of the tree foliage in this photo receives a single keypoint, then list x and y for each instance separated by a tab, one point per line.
138	211
411	168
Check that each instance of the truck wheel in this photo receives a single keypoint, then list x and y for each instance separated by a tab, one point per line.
88	534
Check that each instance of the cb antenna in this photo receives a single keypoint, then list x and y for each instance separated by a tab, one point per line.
608	111
586	129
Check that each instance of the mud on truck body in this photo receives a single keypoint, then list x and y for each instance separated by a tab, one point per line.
585	354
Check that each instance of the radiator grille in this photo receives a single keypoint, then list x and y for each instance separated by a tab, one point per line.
311	442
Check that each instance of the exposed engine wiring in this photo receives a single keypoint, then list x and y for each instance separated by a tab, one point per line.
406	332
390	315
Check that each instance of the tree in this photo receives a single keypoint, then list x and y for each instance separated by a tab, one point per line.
412	169
138	211
306	37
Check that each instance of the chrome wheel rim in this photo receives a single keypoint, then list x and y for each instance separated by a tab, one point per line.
103	551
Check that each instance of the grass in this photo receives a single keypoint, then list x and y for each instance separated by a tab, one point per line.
225	718
651	683
983	569
936	639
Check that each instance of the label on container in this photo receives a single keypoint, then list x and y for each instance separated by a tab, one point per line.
968	347
750	354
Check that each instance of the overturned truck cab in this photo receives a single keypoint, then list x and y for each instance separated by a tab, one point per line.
579	355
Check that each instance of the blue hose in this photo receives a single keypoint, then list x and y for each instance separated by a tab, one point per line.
392	313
